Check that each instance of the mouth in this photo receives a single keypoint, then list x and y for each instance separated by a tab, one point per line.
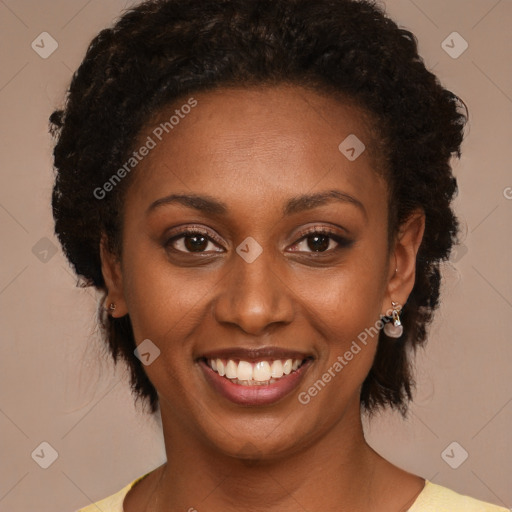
257	377
259	373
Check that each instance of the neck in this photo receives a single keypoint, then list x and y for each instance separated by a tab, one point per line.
335	472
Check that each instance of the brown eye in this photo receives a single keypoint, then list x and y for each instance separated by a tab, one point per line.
191	242
320	241
195	243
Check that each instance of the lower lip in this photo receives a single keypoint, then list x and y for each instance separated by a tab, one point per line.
258	394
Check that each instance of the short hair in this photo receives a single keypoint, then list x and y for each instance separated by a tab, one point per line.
162	50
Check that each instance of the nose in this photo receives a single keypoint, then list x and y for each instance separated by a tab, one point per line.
255	296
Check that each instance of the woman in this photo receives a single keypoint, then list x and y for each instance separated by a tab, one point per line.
262	191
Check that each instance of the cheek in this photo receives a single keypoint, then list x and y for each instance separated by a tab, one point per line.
165	306
345	306
163	301
346	314
351	295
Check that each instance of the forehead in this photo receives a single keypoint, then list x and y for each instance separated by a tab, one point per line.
242	142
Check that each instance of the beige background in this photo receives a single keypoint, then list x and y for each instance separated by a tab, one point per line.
55	387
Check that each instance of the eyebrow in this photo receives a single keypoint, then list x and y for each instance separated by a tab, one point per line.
212	206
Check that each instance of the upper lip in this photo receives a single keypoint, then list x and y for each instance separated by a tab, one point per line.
254	354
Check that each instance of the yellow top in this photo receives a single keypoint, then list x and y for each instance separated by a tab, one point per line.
433	498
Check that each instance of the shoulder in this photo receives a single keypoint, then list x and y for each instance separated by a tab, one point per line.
113	503
436	498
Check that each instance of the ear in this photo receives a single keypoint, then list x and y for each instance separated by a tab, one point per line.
111	270
403	260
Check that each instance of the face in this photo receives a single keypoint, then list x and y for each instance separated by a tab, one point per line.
249	237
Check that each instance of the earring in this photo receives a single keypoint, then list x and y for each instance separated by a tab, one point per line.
395	328
112	307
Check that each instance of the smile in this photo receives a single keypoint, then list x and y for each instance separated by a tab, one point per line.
257	373
256	378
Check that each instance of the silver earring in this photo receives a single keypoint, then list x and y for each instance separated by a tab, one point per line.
112	307
394	329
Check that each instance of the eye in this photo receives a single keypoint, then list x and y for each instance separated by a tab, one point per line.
316	239
321	240
193	240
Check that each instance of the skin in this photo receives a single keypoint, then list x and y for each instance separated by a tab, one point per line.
254	149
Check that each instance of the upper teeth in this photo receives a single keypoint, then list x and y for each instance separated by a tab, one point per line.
259	371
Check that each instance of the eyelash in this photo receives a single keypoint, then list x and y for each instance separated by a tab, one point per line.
316	230
320	230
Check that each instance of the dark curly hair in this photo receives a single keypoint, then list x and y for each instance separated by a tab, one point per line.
163	50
